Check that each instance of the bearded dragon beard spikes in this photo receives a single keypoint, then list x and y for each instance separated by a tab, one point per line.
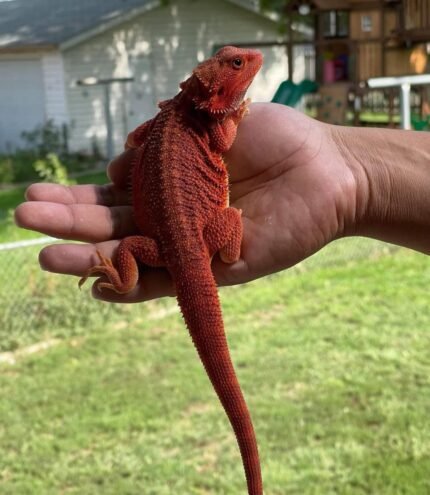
180	204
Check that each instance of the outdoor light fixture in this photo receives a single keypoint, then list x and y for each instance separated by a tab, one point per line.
304	8
96	81
88	81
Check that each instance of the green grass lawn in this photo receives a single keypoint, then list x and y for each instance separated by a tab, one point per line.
334	362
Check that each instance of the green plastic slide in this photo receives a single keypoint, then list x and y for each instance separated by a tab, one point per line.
290	93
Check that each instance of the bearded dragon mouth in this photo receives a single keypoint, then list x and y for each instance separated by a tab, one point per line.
223	111
231	107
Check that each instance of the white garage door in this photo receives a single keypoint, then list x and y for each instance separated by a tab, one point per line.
22	100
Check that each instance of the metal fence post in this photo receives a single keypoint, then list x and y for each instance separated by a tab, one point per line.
405	106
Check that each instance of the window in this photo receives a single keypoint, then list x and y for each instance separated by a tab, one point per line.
366	23
335	24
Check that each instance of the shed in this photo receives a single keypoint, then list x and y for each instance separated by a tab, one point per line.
356	40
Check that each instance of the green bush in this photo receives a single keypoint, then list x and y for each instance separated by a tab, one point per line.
44	147
51	169
22	166
45	138
6	170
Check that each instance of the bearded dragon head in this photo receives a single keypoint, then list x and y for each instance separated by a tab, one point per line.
218	85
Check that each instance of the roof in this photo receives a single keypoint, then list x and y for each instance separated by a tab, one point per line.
25	23
51	22
348	4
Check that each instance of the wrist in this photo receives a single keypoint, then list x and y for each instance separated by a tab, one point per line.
357	202
391	171
353	199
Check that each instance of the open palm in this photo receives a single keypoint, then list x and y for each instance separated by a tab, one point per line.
291	183
286	175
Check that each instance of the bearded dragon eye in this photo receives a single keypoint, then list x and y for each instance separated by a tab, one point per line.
237	63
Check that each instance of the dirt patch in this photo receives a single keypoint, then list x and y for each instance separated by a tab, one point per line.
12	357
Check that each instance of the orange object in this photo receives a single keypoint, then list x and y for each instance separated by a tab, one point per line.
180	204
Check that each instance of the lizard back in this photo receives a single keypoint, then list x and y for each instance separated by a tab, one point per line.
178	183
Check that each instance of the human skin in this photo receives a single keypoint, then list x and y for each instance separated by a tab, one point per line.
300	184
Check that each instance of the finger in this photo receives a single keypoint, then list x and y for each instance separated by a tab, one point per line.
119	168
153	284
91	223
107	195
76	259
156	283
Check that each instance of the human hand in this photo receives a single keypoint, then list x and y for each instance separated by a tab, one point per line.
286	175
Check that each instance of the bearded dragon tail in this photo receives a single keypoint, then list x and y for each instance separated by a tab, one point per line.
198	298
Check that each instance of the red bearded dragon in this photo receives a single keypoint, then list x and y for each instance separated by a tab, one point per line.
180	203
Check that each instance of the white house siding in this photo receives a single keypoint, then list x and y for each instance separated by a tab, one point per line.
31	93
158	48
21	99
55	95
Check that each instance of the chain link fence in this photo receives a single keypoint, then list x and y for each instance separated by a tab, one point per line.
37	305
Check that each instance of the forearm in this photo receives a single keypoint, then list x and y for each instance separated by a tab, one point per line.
392	173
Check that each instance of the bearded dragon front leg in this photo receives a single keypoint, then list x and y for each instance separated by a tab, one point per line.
242	111
131	250
223	233
223	133
137	137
